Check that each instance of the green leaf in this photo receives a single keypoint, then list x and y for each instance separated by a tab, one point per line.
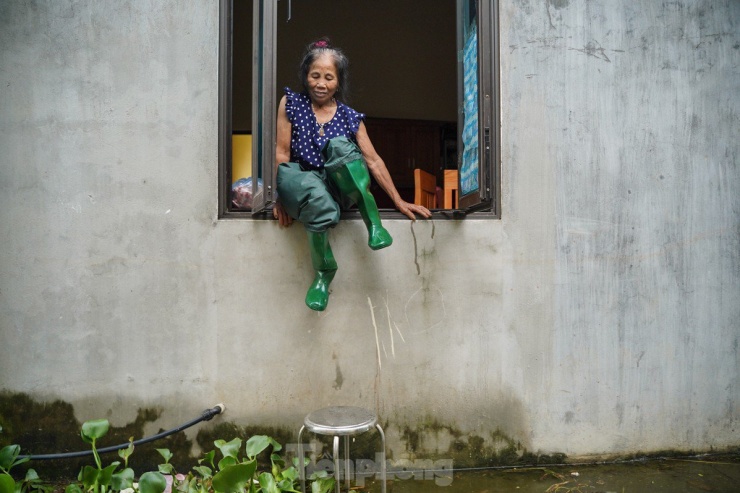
32	475
258	443
229	449
234	478
152	482
226	462
122	480
165	468
208	458
32	483
89	476
267	483
107	473
193	486
278	464
297	462
290	473
286	485
166	454
125	453
204	471
8	455
94	429
7	485
73	488
323	485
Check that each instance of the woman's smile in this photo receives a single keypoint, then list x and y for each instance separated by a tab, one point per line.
322	80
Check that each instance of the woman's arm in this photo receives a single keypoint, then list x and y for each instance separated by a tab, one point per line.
282	155
284	128
380	172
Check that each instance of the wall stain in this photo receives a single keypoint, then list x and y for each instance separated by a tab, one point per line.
416	250
51	427
557	5
471	450
594	49
339	380
424	253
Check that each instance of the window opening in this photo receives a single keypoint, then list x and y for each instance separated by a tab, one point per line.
428	104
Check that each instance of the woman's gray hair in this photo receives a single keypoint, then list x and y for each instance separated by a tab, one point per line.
323	47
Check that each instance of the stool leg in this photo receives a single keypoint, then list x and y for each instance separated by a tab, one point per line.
346	461
301	464
382	462
336	463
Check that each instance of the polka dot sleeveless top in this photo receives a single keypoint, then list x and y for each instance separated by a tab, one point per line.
306	139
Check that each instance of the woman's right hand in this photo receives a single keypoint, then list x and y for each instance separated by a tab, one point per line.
278	212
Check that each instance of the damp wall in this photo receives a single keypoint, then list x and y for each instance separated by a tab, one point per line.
598	316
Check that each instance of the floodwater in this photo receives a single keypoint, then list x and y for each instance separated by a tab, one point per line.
719	474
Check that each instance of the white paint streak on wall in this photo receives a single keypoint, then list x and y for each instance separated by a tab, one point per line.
375	328
390	326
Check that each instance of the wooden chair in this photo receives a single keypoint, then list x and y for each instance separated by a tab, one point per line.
451	189
425	189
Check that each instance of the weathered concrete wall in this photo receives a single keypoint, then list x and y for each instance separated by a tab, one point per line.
620	134
598	316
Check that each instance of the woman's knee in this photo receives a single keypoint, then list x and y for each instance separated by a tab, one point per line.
320	210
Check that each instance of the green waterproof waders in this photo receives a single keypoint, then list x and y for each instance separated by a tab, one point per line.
313	197
324	267
346	168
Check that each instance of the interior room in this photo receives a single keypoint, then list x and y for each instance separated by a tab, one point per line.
403	76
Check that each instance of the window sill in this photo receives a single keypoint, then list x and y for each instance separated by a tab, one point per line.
386	214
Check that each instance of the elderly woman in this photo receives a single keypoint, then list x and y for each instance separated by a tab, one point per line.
323	156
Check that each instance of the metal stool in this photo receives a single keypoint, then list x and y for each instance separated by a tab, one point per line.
340	421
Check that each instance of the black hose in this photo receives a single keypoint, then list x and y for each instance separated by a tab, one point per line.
207	415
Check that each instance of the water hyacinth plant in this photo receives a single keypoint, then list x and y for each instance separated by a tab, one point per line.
9	458
101	479
237	471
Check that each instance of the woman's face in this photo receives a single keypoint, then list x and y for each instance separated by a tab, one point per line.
322	79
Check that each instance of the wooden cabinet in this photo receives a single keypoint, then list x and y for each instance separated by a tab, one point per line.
405	145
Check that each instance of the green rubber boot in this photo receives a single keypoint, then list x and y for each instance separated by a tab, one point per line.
325	267
353	181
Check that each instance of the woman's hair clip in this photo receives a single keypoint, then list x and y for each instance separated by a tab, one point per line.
322	43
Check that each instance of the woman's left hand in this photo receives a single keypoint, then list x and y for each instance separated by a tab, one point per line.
410	210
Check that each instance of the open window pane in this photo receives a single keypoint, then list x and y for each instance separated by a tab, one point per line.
478	153
468	90
241	115
264	104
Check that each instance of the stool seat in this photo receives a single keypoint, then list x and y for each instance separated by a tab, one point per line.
340	420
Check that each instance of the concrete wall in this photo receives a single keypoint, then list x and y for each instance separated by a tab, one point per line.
598	316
